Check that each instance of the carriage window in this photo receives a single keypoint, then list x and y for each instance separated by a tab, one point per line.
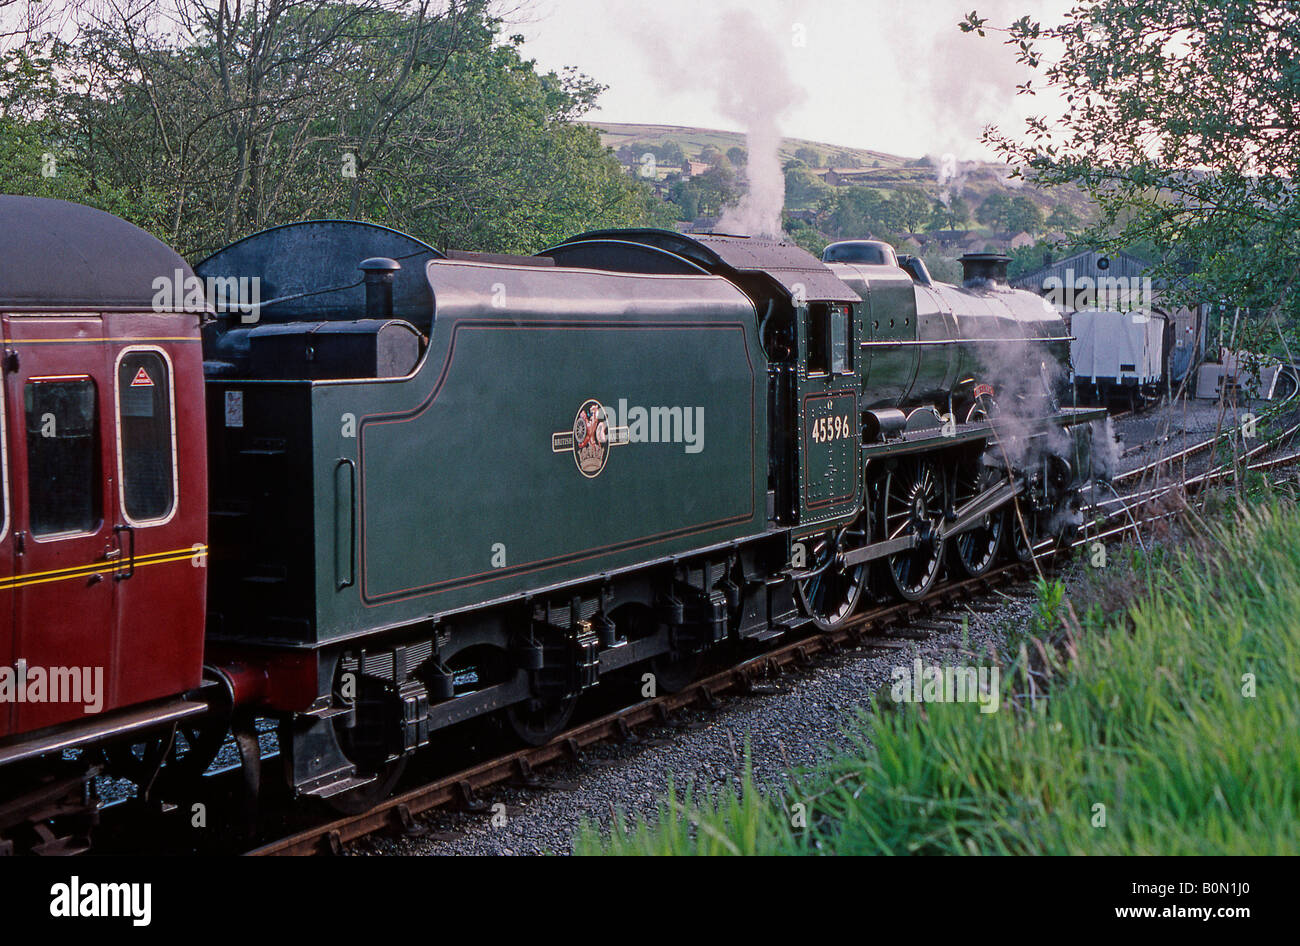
841	357
145	426
62	455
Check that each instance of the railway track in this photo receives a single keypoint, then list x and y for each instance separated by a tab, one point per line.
1107	519
464	788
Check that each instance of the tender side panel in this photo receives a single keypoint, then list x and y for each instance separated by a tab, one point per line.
593	422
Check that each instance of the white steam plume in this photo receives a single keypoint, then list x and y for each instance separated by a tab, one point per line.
744	63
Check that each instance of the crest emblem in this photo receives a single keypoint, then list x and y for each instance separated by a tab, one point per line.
590	439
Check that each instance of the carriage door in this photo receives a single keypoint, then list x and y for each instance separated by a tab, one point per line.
828	407
66	553
160	508
6	568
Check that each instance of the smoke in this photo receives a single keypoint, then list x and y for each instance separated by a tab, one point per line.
743	63
1026	378
757	102
971	80
1105	450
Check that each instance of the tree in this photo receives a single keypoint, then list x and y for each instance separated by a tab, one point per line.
1023	214
670	152
803	187
738	156
1182	121
994	210
220	124
855	212
685	196
809	156
909	208
1026	259
810	239
950	216
1063	218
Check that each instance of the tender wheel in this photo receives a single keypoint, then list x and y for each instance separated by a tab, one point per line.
361	743
673	671
537	722
913	506
975	550
676	671
831	597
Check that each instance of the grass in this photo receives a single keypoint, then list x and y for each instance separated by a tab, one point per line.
1169	727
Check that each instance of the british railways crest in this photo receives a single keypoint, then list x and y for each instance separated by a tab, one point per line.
590	439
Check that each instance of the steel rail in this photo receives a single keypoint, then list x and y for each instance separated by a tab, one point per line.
462	787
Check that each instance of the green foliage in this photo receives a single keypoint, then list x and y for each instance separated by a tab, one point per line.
809	156
1063	218
810	239
803	188
376	110
1047	605
1014	213
706	194
1180	123
908	208
1026	259
1170	728
953	215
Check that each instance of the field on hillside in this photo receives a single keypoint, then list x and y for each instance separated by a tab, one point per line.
693	140
976	180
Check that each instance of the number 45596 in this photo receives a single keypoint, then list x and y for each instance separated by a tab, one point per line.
825	429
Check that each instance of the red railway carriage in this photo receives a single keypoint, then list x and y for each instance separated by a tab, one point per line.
103	481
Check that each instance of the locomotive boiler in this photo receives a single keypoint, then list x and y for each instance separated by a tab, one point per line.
932	343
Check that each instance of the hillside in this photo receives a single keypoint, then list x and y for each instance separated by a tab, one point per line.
975	180
693	140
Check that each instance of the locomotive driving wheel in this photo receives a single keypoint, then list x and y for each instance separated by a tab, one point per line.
975	550
913	500
1026	532
832	595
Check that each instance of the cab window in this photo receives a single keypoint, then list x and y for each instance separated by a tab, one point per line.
817	329
841	349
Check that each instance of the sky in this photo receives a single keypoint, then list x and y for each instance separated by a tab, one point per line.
897	76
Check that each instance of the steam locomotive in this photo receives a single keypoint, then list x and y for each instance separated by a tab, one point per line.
334	478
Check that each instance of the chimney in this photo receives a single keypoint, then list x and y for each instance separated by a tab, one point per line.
984	268
379	271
